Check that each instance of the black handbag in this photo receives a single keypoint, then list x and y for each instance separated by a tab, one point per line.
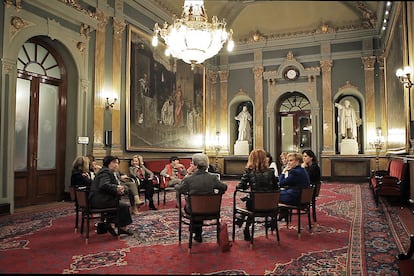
101	228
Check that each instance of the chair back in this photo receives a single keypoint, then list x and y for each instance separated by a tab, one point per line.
265	201
82	197
317	188
205	204
72	193
306	195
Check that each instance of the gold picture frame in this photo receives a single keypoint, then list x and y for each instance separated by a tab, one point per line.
165	106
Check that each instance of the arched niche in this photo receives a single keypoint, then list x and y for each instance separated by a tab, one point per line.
238	100
350	93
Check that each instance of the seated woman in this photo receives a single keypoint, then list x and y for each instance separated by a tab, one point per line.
145	177
80	172
93	166
257	176
131	189
291	179
272	164
105	192
173	172
310	164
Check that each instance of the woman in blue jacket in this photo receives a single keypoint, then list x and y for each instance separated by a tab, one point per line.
292	178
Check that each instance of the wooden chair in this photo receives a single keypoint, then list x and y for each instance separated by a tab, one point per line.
264	205
88	213
164	188
205	208
316	191
303	207
72	193
406	261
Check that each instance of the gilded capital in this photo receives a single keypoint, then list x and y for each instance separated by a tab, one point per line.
326	65
102	19
369	62
223	75
119	28
258	72
212	76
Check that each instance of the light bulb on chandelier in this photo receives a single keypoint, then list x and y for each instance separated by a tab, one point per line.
192	38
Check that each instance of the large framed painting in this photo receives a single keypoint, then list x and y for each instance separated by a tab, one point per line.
165	99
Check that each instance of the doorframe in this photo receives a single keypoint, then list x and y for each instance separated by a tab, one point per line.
275	93
76	57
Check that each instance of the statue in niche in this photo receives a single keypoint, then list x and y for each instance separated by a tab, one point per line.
244	119
348	120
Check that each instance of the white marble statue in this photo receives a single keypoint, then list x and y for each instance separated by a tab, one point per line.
244	119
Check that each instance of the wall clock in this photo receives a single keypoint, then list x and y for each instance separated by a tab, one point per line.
291	73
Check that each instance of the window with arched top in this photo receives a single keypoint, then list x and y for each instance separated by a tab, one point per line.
35	58
294	123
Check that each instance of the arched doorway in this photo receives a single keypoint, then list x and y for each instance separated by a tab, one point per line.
293	121
40	126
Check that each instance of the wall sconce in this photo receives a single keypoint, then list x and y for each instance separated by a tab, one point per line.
404	76
110	105
377	144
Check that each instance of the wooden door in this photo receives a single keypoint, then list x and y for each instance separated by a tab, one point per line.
39	129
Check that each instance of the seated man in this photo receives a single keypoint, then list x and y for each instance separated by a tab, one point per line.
200	182
173	172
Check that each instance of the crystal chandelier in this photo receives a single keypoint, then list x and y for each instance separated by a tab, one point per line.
192	38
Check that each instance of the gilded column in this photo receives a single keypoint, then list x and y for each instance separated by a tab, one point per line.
119	28
328	124
258	107
211	117
224	76
369	63
382	99
99	106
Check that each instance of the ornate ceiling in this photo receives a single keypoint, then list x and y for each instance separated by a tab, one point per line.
275	19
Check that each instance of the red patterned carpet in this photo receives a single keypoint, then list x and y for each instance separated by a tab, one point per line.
352	237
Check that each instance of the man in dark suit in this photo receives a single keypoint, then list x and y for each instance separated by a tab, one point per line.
200	182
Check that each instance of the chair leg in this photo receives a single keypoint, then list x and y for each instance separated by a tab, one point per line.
233	234
165	194
82	223
76	219
179	231
218	230
190	239
314	209
309	219
277	231
298	210
252	236
87	229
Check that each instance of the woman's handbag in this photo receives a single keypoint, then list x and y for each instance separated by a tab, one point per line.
224	242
